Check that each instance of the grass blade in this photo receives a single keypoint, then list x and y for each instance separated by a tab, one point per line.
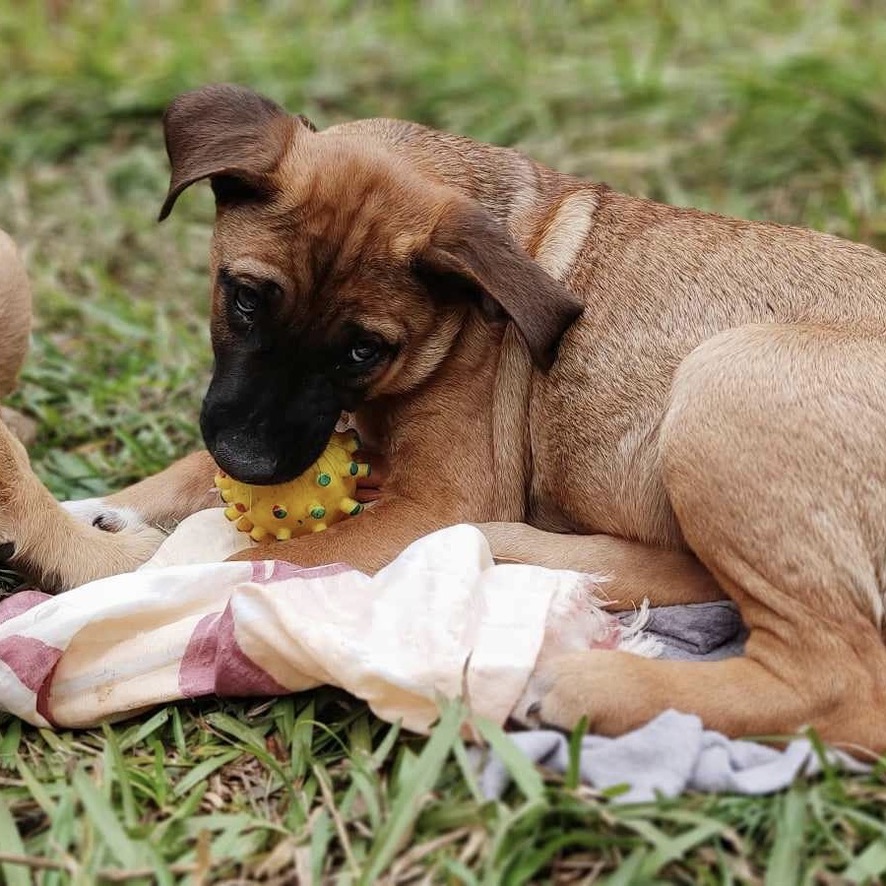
522	770
869	866
149	727
424	774
11	841
9	743
785	866
203	770
106	823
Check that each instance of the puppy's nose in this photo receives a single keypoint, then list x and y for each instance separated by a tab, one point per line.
243	465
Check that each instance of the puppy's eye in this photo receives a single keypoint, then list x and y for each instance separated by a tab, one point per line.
245	301
363	352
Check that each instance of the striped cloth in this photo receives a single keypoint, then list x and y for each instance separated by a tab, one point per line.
441	621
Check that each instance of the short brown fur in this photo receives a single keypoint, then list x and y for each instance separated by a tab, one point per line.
712	424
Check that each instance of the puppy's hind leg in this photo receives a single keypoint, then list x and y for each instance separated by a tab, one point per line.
46	543
774	461
635	573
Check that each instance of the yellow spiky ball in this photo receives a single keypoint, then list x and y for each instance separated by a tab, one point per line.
321	496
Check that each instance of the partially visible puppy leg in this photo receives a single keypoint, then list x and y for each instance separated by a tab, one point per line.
15	314
24	428
15	330
368	542
43	541
635	572
38	537
182	489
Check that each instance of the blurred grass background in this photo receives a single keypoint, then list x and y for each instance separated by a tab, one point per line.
759	109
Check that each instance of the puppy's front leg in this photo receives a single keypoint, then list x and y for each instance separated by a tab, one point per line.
43	541
182	489
162	500
367	542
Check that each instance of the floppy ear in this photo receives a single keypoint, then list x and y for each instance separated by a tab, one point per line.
469	249
227	133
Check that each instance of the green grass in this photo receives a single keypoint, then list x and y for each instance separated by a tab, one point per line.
760	109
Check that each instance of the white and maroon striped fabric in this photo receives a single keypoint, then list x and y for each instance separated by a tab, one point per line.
441	614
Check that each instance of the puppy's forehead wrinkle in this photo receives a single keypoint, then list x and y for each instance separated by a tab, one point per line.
342	225
344	252
505	181
354	179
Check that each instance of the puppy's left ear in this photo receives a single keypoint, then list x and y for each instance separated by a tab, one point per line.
469	249
229	134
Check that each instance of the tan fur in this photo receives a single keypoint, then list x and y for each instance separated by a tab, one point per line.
565	234
15	329
15	314
713	423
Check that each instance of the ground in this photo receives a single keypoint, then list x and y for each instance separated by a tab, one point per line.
758	109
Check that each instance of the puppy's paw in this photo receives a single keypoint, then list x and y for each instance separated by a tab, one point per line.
118	540
98	513
133	545
559	693
77	561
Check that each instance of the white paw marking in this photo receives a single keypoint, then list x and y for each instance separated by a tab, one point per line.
97	512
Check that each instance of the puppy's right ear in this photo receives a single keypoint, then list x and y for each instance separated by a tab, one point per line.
226	133
469	251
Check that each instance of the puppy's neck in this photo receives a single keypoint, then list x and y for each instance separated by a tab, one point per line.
472	410
458	390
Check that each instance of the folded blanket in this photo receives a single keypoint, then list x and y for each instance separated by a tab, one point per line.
697	632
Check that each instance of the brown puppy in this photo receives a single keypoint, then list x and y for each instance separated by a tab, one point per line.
713	421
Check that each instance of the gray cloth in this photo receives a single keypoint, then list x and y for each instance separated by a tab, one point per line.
698	632
674	752
668	756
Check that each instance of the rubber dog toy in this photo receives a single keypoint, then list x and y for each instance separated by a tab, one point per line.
322	495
